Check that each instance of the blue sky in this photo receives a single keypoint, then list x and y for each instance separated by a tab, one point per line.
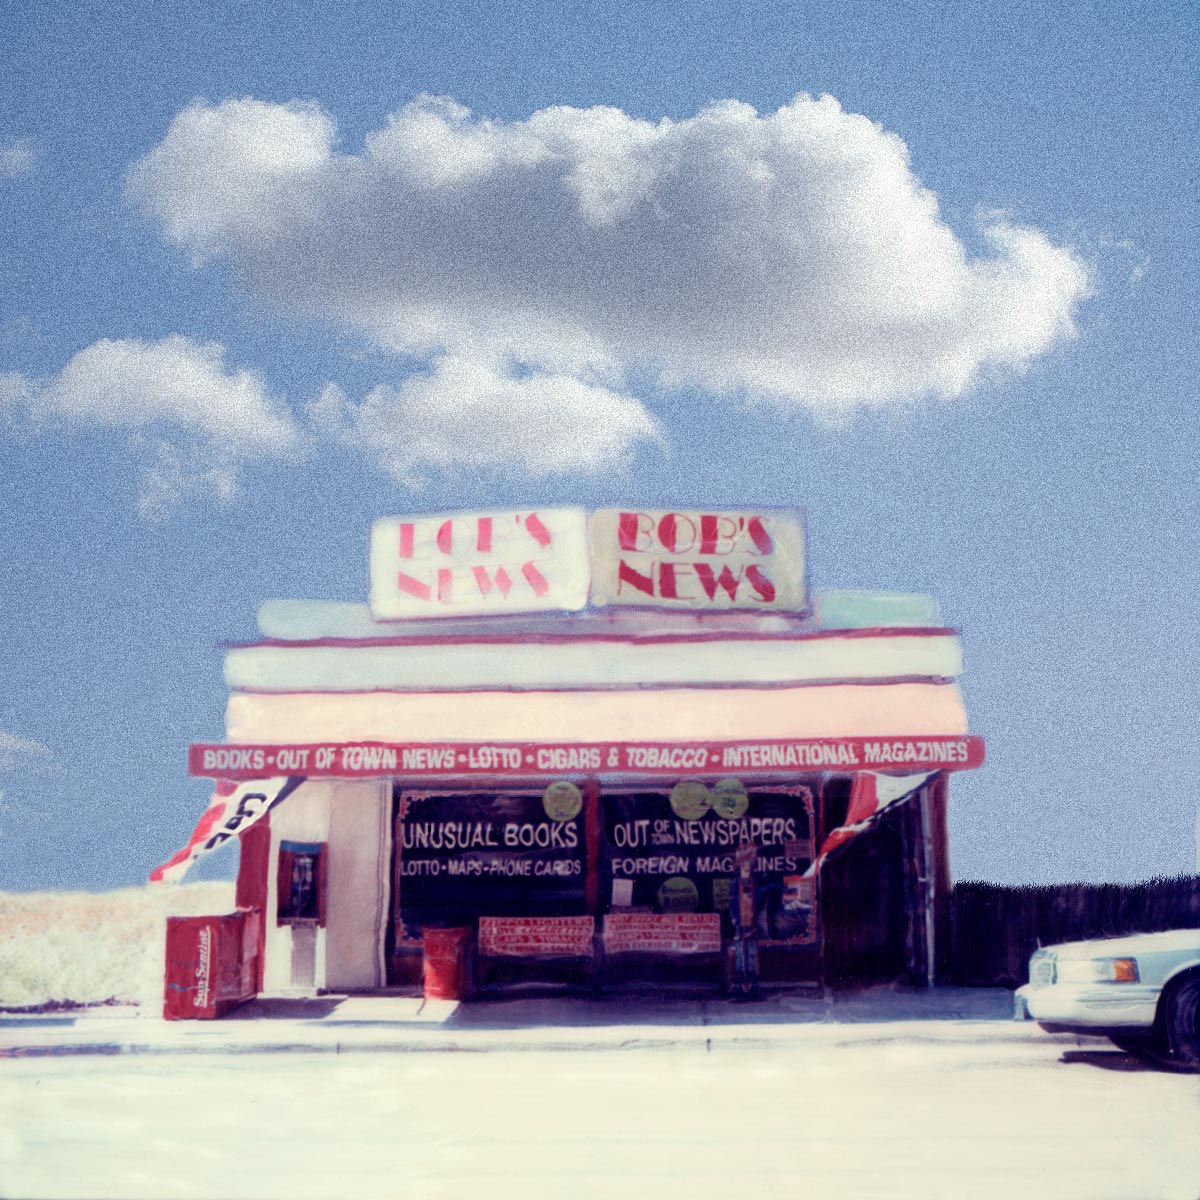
200	411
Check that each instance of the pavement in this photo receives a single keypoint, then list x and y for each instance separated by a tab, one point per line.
544	1020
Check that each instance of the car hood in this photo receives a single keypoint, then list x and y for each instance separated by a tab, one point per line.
1130	944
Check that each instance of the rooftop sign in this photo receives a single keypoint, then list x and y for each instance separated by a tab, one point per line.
748	560
466	564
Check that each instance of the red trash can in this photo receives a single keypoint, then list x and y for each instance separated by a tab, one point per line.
211	964
446	975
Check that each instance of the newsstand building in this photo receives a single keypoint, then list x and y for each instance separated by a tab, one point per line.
589	747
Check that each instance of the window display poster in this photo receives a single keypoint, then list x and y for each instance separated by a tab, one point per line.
469	855
677	852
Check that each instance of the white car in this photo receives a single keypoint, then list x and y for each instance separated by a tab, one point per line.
1141	990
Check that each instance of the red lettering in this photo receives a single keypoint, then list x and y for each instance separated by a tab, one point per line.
445	536
717	535
670	529
679	573
635	579
536	579
406	540
503	581
445	583
761	584
413	587
666	581
537	531
710	582
632	528
757	529
484	535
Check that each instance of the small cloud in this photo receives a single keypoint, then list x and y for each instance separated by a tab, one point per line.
18	751
1127	256
17	158
176	473
470	413
191	418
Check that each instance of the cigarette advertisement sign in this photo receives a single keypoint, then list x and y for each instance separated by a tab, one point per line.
569	937
509	855
662	933
700	561
683	864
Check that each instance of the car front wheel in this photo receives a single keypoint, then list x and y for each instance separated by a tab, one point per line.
1181	1011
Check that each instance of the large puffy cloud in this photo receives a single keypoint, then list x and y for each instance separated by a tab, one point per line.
792	256
193	419
465	411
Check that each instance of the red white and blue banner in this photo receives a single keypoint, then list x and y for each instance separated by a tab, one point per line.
870	794
234	808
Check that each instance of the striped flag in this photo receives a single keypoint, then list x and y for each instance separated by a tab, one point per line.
234	807
870	794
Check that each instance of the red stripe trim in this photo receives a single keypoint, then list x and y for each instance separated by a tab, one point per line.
552	639
743	685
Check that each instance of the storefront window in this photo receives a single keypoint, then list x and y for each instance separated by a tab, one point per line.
670	852
464	855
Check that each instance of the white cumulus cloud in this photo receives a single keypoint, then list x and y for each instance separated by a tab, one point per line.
469	412
192	418
792	256
17	158
18	751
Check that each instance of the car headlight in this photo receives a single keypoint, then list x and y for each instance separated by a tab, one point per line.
1098	970
1041	968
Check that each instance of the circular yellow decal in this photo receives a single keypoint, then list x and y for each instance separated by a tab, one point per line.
678	894
690	799
729	799
562	801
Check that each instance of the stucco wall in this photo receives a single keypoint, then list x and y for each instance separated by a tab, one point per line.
353	819
359	856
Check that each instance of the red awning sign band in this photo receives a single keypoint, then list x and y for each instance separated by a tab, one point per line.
451	760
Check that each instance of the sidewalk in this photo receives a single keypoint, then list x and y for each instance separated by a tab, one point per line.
546	1021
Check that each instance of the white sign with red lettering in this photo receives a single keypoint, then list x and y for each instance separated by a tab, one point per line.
662	933
752	560
526	936
462	564
514	760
